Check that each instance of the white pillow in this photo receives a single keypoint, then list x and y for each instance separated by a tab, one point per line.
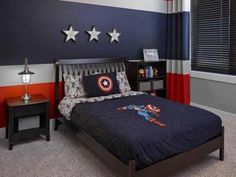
73	86
123	82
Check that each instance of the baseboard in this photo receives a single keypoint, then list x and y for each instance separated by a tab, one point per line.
222	114
3	130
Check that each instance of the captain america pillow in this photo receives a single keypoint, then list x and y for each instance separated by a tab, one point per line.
101	84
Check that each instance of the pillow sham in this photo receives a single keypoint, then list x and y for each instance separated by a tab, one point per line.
123	82
73	86
100	84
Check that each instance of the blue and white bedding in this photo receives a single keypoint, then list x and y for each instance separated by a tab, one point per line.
125	126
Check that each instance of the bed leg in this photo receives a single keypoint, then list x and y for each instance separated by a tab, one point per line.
56	125
132	168
222	149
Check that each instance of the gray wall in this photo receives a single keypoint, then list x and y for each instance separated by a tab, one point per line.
214	94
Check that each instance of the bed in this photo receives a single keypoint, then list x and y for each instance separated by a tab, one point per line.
133	146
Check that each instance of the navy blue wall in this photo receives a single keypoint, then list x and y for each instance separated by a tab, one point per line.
32	28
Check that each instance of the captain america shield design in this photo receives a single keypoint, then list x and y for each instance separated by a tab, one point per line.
105	83
152	108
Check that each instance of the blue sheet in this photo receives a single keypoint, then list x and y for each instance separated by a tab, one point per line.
129	136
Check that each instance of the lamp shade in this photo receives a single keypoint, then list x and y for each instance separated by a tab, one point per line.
26	74
26	78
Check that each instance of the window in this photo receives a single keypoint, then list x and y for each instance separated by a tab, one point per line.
213	36
233	37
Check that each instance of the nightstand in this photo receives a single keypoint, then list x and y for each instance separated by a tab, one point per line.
16	109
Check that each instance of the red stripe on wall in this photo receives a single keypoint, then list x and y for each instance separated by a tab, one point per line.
47	89
178	87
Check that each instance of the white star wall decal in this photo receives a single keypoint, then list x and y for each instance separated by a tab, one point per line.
71	33
114	35
93	34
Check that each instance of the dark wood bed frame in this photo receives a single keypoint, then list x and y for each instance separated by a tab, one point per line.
159	169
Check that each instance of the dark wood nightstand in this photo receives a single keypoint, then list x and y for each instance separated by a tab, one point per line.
16	109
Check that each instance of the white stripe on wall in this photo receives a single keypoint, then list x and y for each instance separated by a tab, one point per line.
44	73
176	6
178	66
146	5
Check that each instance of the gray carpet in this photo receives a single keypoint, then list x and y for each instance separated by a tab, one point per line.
65	156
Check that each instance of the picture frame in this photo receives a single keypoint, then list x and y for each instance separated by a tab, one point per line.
150	55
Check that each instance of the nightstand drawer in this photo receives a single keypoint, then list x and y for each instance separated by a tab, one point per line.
29	110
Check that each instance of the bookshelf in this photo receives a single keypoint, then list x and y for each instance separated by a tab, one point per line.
141	77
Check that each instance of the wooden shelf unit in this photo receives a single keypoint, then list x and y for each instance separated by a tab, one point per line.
147	84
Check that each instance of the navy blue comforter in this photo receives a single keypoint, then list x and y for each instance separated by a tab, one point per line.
128	136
